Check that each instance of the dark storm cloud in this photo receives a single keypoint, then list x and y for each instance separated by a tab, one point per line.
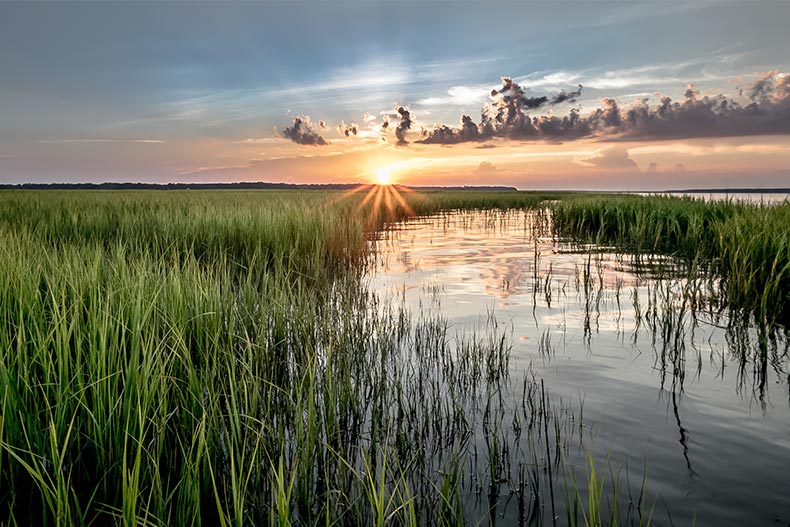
509	115
302	133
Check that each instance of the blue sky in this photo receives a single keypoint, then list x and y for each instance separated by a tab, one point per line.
167	91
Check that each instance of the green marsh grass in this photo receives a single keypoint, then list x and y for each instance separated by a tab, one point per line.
212	358
746	245
711	263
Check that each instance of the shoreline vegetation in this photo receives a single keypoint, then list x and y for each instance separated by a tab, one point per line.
253	185
212	358
746	245
265	185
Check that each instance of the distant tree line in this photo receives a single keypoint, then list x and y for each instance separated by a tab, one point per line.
224	186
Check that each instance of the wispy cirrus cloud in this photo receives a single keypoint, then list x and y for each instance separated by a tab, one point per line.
259	140
715	66
555	78
459	96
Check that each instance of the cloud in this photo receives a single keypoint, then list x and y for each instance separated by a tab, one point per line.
510	102
771	87
624	79
403	116
485	169
507	114
705	67
511	115
259	140
445	135
610	158
302	133
458	96
348	130
564	96
551	79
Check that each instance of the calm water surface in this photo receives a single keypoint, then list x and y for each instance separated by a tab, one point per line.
659	382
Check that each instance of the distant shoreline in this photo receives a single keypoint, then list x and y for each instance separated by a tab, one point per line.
350	186
231	186
729	191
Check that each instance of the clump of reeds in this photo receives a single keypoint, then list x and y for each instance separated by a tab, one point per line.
746	245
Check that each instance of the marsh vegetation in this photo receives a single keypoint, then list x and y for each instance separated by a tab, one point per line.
239	358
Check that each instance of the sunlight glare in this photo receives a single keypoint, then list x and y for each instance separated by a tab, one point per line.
383	175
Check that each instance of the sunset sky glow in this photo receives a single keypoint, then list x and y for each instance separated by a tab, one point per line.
554	95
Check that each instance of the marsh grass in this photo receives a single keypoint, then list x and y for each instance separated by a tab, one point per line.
746	246
211	358
722	265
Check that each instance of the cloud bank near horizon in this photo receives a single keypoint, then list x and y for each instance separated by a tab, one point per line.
762	107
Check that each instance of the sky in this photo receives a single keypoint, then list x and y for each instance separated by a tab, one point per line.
537	95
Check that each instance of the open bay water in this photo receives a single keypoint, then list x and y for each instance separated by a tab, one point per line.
661	386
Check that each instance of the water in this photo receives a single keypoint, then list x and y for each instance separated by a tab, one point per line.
758	198
658	382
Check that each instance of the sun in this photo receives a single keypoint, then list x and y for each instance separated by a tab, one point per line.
383	175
